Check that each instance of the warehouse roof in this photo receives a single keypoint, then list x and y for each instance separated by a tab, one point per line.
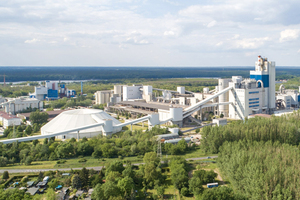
162	106
7	116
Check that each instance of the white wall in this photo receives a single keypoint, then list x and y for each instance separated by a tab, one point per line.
131	92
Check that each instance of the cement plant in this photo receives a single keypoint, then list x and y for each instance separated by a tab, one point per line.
59	123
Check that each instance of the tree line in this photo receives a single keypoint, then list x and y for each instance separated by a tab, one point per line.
284	129
127	143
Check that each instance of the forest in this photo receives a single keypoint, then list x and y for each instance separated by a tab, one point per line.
284	129
259	156
114	74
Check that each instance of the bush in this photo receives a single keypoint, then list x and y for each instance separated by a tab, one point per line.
5	175
82	160
61	161
184	191
28	160
24	179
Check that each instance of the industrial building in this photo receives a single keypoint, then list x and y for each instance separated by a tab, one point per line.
17	105
235	98
51	91
7	120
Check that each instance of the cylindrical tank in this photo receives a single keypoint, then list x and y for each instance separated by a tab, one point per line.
176	114
107	128
223	109
206	90
154	119
118	89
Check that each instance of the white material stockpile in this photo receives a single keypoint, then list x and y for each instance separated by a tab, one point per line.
78	118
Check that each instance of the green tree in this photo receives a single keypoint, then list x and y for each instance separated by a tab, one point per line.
98	193
95	179
182	146
53	183
5	175
110	190
116	166
76	181
126	185
50	194
184	191
35	142
3	161
45	141
84	176
28	160
36	128
195	186
220	193
28	130
108	150
151	170
38	117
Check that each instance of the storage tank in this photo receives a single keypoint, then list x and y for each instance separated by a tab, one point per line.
181	90
206	90
176	114
223	109
118	89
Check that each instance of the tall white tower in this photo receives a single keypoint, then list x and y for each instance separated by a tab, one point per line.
265	75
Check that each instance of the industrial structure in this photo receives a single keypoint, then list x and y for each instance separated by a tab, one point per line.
78	118
16	105
52	91
234	98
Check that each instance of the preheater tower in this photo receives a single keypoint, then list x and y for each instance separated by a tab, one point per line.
265	72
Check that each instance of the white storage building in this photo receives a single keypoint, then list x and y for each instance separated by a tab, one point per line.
78	118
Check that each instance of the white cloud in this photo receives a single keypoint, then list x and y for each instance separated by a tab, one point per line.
169	33
136	41
219	43
251	43
211	24
289	34
298	51
223	28
236	36
34	40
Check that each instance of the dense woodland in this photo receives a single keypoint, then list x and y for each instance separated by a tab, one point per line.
259	156
284	129
108	73
118	73
262	170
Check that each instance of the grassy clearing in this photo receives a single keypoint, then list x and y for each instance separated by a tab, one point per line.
93	162
72	163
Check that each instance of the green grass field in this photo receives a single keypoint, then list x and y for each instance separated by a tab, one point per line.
93	162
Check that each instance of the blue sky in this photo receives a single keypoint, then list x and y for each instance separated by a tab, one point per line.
148	33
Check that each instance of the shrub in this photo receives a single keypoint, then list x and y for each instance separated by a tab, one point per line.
82	160
61	161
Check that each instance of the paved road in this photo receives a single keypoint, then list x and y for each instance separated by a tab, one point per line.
11	171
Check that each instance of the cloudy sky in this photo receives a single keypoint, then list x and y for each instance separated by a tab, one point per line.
148	32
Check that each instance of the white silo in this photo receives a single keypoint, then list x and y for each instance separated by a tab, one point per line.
223	109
